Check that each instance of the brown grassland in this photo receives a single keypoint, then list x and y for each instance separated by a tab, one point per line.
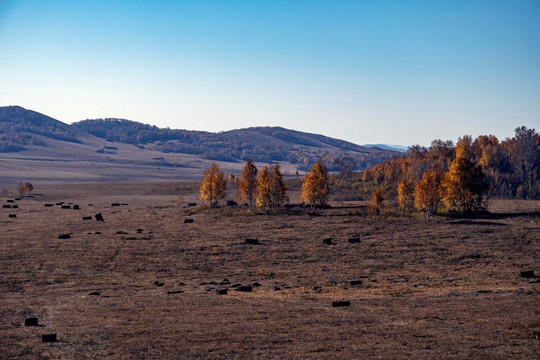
448	288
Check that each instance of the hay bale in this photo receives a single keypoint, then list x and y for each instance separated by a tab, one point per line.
32	321
341	303
527	274
245	288
353	240
48	338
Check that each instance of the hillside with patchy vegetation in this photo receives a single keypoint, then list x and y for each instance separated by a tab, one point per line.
22	129
262	144
19	127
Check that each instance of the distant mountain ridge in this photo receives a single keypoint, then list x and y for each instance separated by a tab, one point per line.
21	128
398	148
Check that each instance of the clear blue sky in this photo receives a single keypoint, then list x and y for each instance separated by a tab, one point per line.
396	72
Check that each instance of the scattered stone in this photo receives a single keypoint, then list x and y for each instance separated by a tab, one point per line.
341	303
60	203
192	204
99	217
115	204
225	281
124	204
277	288
17	199
536	334
95	293
12	215
33	321
236	285
245	288
6	206
354	239
87	218
64	236
222	291
121	233
10	201
232	203
355	282
139	231
188	221
174	292
48	338
327	241
252	241
256	284
49	205
15	206
131	238
76	207
97	233
158	283
66	207
527	274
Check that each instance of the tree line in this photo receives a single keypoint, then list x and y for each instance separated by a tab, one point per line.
265	188
460	177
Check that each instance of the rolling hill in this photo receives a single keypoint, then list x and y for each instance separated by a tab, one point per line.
262	144
36	141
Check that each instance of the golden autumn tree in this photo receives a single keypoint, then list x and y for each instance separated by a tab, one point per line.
428	192
25	188
264	188
315	187
464	185
404	197
377	199
214	186
248	183
278	188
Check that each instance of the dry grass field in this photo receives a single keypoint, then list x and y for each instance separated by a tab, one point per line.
448	289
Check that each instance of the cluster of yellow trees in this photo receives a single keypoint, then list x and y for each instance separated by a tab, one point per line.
450	178
265	188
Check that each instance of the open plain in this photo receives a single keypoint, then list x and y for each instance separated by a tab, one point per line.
144	283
